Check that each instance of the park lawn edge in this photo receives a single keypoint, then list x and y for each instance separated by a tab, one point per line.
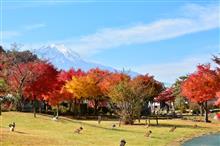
181	141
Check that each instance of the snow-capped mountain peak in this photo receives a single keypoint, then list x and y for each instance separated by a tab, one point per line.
60	49
65	58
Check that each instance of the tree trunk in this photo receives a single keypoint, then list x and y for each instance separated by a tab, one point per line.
35	112
57	110
154	108
70	106
168	108
126	120
96	102
119	122
39	107
75	108
0	108
206	112
174	113
34	107
19	106
157	118
20	96
201	109
139	120
46	108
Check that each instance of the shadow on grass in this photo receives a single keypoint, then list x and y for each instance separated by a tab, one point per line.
7	130
96	126
68	119
20	132
177	125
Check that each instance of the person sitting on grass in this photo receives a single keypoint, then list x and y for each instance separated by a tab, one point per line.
119	124
12	126
148	133
78	130
123	142
173	129
113	126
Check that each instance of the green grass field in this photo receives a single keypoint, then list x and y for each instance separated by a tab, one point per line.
42	131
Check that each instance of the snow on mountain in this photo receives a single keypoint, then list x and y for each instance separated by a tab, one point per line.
64	58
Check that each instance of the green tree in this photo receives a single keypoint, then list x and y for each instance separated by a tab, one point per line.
126	102
146	88
180	101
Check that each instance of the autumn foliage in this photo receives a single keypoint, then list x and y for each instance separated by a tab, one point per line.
166	95
34	80
130	95
44	80
202	85
217	61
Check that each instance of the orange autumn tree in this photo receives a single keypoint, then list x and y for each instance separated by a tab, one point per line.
63	78
76	87
82	88
147	87
112	80
88	86
201	86
97	97
217	61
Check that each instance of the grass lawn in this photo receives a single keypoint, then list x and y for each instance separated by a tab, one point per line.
42	131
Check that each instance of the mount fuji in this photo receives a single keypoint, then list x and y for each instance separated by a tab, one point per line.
64	58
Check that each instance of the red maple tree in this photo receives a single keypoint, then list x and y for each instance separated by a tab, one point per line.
42	82
201	86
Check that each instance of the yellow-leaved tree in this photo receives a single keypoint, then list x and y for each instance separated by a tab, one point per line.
84	87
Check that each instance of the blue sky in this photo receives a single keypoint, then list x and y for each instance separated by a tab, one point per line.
164	38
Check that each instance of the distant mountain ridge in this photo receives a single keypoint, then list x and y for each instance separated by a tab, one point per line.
64	58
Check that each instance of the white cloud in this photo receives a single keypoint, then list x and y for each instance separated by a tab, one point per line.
195	19
34	26
169	72
9	35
